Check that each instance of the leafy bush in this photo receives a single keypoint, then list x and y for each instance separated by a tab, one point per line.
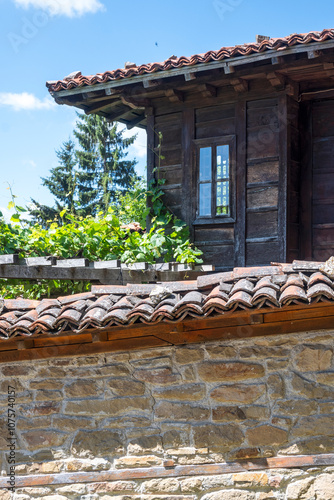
99	238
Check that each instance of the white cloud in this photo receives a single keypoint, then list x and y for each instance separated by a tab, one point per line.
25	101
70	8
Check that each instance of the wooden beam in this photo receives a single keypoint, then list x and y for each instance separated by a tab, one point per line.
317	94
135	103
251	464
101	106
149	84
239	84
329	68
292	89
312	54
207	90
228	69
135	122
174	95
240	185
189	76
276	79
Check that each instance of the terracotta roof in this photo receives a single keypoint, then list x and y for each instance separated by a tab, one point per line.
279	44
107	306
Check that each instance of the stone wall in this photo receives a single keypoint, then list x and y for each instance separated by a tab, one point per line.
195	405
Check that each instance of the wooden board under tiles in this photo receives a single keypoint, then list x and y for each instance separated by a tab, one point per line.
253	464
229	326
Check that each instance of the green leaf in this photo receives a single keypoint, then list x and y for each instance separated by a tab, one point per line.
11	205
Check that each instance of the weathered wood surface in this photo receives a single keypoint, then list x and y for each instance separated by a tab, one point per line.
109	272
285	462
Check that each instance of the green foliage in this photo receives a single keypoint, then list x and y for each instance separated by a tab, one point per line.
100	237
102	166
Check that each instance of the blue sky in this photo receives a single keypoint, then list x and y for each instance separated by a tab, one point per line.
48	39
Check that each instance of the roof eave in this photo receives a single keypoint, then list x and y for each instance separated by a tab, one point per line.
228	64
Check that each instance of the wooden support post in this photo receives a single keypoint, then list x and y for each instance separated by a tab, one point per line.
241	167
284	152
189	194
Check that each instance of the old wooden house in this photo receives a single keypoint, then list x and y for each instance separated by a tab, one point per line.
247	142
161	384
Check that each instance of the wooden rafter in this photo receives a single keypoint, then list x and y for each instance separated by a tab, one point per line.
101	106
135	122
207	90
174	95
239	84
134	103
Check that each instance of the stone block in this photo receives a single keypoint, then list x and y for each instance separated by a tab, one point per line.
114	370
228	413
83	389
185	392
143	461
90	444
112	487
310	389
264	352
295	407
250	479
145	444
313	359
229	372
301	490
191	485
168	485
230	495
72	424
326	378
185	355
238	393
43	439
48	384
158	376
266	435
126	387
151	363
324	486
174	438
275	384
256	412
46	395
41	409
218	438
314	426
221	352
108	407
181	412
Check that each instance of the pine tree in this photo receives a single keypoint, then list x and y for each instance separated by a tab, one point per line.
62	181
102	166
62	184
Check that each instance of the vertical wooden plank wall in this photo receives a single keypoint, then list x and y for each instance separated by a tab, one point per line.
293	180
263	166
169	166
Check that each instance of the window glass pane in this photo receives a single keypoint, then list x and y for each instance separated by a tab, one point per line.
205	199
205	164
223	198
223	162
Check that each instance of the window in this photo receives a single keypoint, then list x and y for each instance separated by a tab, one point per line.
215	180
